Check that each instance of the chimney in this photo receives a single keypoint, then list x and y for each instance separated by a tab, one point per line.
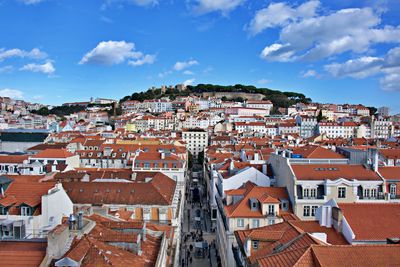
162	155
133	176
80	220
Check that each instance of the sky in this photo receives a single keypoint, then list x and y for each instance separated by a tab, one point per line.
343	51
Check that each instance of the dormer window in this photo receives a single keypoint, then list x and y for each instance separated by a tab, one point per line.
393	190
271	209
255	244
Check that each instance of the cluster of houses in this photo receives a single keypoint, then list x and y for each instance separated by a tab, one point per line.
282	190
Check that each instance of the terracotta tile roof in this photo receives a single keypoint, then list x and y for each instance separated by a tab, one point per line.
288	235
53	153
95	248
390	153
41	147
22	254
390	173
370	221
316	152
21	192
282	259
242	207
333	172
13	159
159	191
333	237
357	255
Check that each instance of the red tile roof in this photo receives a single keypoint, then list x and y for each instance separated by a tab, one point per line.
53	153
316	152
333	172
22	254
372	221
390	173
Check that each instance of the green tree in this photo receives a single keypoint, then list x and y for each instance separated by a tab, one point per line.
320	117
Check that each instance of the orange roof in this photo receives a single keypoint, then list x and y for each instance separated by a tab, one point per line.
23	254
242	207
316	152
372	221
333	172
53	153
390	173
357	255
29	193
13	159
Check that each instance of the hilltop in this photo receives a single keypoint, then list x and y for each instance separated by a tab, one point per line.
278	98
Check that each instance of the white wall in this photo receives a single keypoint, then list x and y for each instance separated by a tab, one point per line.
57	204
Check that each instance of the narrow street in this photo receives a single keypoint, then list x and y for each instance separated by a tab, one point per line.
198	242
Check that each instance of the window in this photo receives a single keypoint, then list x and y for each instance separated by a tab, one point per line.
393	189
313	192
3	210
147	165
366	192
306	211
313	210
373	192
342	192
271	222
165	165
370	192
240	222
146	214
255	244
271	209
256	223
25	211
306	192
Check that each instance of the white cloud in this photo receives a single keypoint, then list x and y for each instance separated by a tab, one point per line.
278	52
391	81
356	68
318	37
146	59
142	3
393	58
310	73
46	68
188	72
35	53
12	93
263	81
31	2
116	52
279	14
6	69
189	82
223	6
359	68
181	65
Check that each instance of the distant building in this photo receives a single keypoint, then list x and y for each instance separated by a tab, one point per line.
383	111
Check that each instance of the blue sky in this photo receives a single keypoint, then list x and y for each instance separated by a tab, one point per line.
54	51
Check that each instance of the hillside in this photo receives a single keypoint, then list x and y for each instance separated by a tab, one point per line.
278	98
